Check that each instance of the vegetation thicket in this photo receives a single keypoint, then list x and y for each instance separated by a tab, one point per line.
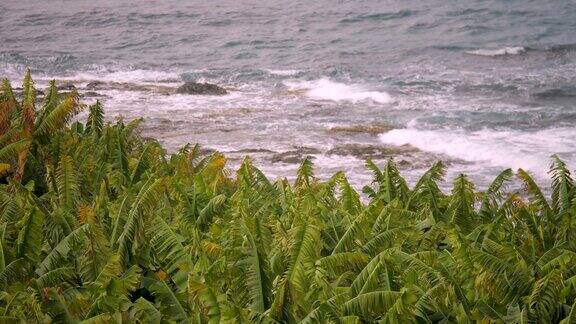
98	225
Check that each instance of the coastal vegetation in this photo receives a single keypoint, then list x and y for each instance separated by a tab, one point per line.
98	225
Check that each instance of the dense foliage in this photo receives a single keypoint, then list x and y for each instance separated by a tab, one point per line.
100	226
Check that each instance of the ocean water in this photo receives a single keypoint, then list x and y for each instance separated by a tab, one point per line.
484	85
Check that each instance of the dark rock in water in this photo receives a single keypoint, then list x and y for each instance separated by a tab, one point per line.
89	94
373	129
404	163
294	157
207	151
19	92
556	93
125	86
67	86
372	151
141	87
195	88
253	150
95	85
289	157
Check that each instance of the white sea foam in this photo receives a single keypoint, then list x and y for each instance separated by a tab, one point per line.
12	71
514	149
499	51
326	89
284	72
124	76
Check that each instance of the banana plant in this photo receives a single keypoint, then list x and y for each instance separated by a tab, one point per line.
98	225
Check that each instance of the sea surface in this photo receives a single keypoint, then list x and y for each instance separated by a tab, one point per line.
483	85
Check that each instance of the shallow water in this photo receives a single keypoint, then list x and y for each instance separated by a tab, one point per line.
484	85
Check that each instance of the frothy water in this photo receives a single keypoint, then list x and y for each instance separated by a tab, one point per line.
285	72
326	89
505	149
485	85
499	51
130	76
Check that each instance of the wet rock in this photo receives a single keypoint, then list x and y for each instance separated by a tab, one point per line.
141	87
249	151
91	94
227	130
373	129
66	86
372	151
295	156
195	88
288	157
95	85
207	151
404	163
125	86
19	92
556	93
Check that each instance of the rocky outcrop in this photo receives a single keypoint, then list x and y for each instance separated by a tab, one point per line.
372	151
294	156
373	129
91	94
66	86
95	85
253	150
125	86
195	88
192	88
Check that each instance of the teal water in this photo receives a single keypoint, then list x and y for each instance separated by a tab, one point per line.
484	85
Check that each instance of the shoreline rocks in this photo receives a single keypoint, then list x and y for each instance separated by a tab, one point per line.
373	129
125	86
95	85
295	156
191	88
372	151
195	88
66	86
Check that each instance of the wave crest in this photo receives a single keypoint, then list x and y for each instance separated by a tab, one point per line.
513	149
326	89
499	51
